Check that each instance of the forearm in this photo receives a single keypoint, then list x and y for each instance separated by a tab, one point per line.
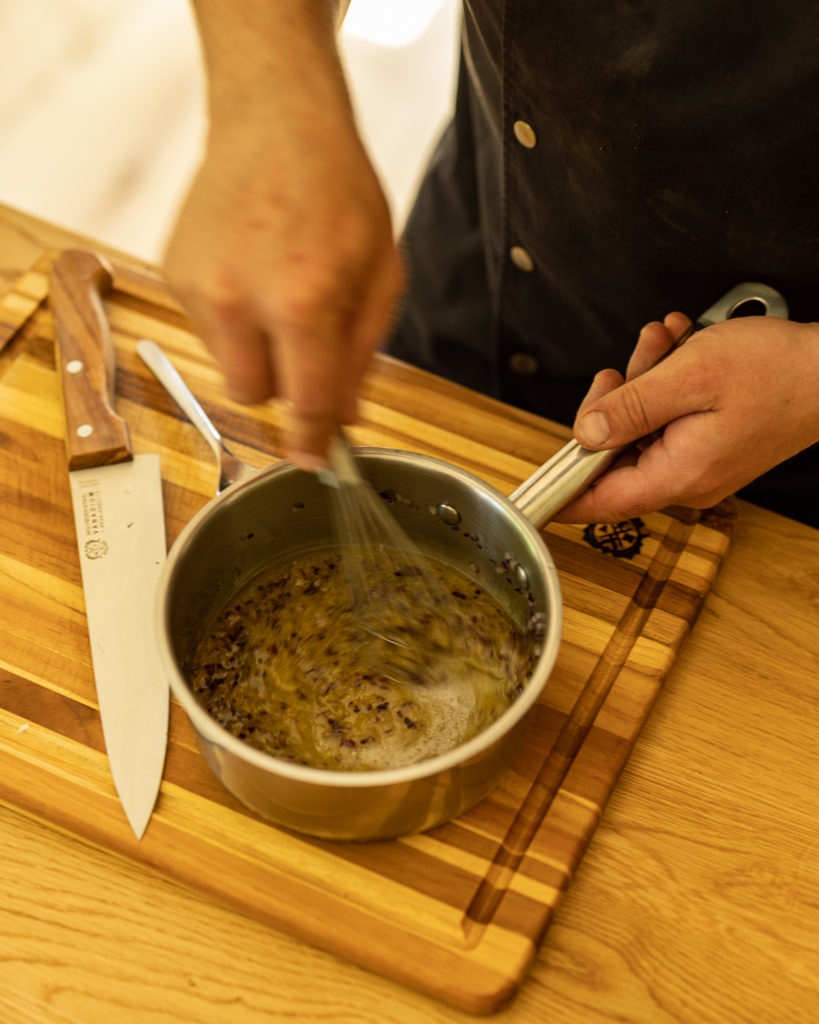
271	54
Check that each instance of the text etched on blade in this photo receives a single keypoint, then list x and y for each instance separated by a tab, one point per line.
95	545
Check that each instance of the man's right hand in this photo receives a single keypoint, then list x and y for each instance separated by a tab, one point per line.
283	253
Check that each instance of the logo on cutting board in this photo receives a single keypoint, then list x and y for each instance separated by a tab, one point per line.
622	540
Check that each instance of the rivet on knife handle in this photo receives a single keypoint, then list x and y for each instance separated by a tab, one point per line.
95	434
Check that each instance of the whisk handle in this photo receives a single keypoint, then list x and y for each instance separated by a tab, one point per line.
342	469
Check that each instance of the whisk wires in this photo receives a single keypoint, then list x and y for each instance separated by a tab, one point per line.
395	593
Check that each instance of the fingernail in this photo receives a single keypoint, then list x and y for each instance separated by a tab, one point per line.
593	429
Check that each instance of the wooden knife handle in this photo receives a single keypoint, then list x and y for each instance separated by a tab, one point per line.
95	434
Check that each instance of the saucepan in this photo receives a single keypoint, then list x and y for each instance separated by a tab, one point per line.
452	515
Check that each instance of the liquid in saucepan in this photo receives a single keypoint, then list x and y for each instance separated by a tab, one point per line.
288	668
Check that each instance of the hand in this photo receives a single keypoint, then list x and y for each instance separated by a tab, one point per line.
738	398
283	253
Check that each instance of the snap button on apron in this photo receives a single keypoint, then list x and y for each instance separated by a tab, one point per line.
525	134
521	258
523	363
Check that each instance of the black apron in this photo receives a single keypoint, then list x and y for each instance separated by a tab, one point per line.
608	163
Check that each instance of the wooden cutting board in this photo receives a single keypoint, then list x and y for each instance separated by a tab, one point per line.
457	912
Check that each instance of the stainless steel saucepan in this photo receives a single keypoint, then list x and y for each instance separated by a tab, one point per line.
280	511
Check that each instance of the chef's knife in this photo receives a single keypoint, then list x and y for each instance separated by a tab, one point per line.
120	524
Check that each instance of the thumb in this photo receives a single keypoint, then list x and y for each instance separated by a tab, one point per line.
631	412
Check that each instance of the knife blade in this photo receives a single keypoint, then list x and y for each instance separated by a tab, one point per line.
120	526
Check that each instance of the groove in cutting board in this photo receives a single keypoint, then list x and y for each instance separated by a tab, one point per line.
575	728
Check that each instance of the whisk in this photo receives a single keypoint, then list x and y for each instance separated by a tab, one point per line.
396	595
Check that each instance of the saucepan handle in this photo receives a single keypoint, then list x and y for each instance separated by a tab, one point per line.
574	468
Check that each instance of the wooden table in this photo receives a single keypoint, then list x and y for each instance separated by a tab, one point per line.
697	900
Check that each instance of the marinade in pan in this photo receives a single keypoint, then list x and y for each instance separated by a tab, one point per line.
288	668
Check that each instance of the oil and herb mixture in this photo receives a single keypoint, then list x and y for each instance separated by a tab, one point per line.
288	668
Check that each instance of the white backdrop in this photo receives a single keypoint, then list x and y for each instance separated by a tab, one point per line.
101	106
